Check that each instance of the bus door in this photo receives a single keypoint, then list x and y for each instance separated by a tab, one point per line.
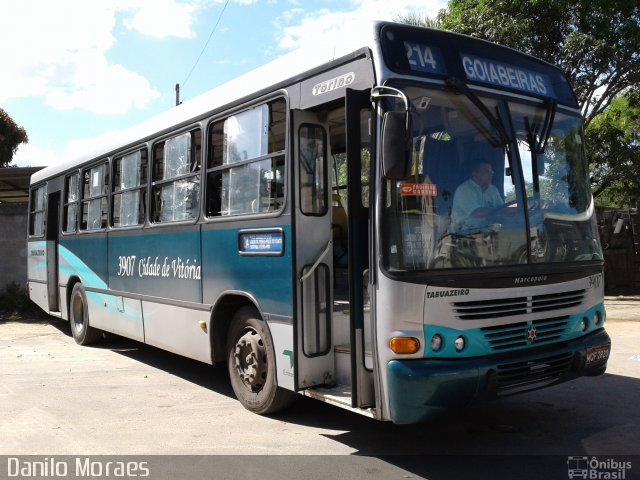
52	229
358	148
313	252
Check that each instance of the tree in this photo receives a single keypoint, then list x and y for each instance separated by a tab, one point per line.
597	45
613	144
595	42
11	136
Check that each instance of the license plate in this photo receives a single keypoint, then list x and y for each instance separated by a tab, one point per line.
598	354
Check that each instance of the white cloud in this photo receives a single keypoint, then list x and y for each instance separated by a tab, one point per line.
57	50
163	18
29	155
307	28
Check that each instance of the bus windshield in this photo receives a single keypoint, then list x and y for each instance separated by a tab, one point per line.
483	191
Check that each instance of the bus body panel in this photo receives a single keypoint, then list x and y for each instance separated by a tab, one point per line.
177	329
331	84
397	314
559	337
116	314
84	257
157	263
421	389
37	273
260	267
255	261
281	329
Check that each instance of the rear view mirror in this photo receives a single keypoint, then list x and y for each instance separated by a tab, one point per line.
396	147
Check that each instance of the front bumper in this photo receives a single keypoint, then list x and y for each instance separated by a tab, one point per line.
421	389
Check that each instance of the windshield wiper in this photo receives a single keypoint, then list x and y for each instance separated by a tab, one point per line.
540	144
459	86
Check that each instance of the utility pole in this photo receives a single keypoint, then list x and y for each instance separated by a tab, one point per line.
177	94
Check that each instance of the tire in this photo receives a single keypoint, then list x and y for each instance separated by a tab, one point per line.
83	333
252	366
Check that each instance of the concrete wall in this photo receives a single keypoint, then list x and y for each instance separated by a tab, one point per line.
13	244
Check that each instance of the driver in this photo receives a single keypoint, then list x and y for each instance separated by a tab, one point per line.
475	199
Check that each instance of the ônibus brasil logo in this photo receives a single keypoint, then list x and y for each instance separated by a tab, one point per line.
592	468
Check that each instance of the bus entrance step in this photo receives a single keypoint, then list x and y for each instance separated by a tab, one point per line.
346	348
343	363
340	396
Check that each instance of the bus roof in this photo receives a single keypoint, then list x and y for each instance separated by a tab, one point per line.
472	60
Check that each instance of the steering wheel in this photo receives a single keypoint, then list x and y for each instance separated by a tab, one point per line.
503	213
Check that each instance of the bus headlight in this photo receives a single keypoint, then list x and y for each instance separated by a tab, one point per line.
460	343
583	324
598	317
404	345
436	342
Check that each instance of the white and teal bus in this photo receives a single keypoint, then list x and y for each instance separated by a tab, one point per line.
315	225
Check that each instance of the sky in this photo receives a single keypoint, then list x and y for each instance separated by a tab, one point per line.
73	71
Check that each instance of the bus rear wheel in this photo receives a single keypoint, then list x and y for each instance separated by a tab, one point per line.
251	364
83	333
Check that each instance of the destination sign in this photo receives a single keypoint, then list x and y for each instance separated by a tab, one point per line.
499	74
261	243
424	58
442	55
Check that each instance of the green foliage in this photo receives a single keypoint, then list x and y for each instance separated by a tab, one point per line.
613	145
11	136
418	20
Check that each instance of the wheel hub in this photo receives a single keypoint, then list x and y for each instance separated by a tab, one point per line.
250	360
78	314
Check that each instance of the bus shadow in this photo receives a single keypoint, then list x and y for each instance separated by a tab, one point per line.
198	373
526	436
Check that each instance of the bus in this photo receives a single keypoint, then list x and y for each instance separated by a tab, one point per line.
305	225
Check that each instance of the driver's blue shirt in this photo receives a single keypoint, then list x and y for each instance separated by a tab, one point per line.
469	196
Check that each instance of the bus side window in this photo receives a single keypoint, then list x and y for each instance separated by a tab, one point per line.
245	165
94	197
176	178
129	192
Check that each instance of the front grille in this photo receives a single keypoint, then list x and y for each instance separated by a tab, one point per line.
522	334
519	377
507	307
556	301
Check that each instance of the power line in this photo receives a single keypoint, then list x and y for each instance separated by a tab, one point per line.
207	43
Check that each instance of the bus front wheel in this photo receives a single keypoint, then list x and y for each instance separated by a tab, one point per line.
83	333
252	366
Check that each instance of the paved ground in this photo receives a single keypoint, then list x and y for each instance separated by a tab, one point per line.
124	398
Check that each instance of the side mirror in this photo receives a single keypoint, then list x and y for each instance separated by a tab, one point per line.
395	145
